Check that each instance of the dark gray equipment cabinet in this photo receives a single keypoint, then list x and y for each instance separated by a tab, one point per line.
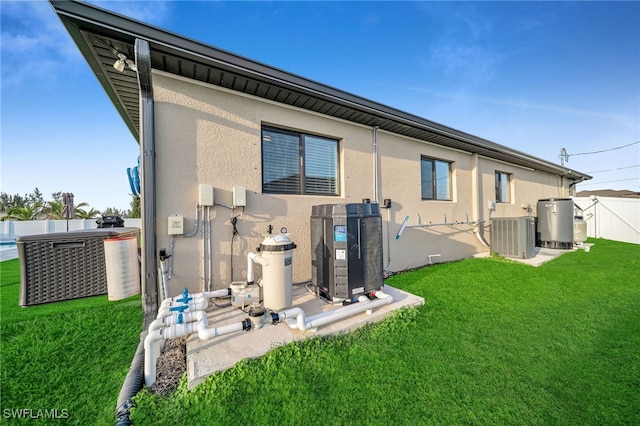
346	250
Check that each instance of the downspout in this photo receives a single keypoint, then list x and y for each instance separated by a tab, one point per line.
376	165
135	377
477	199
147	137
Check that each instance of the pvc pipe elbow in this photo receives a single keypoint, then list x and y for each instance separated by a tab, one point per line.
382	295
225	292
151	354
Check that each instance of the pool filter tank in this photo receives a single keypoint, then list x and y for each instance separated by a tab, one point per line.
346	250
275	254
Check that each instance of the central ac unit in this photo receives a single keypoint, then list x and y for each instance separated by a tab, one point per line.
513	236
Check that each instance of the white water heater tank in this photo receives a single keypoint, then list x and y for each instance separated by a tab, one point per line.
277	275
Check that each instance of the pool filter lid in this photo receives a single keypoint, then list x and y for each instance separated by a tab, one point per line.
278	242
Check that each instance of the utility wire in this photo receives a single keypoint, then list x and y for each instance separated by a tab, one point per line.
605	150
609	181
564	156
611	170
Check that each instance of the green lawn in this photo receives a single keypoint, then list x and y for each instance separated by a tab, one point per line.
496	342
71	357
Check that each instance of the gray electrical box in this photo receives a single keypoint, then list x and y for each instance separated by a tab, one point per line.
514	236
346	249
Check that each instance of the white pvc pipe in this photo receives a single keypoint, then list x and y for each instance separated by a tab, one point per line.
251	258
172	319
170	301
191	306
315	321
206	333
154	339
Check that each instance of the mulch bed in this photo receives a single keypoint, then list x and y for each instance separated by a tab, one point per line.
170	367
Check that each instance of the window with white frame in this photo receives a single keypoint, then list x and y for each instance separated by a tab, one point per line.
503	187
435	179
298	163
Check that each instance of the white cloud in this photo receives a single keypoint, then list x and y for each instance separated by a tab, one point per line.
36	45
527	105
469	63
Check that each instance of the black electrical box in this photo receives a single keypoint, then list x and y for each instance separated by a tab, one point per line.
346	250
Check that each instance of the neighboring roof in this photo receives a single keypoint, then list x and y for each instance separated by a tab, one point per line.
101	34
624	193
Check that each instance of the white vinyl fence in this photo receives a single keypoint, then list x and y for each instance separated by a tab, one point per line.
10	229
611	218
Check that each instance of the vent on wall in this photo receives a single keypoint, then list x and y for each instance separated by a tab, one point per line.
513	236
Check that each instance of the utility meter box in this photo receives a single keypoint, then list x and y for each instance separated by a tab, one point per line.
346	249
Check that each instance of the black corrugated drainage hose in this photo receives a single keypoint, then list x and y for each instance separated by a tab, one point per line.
134	382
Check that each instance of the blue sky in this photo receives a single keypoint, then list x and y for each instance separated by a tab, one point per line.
534	76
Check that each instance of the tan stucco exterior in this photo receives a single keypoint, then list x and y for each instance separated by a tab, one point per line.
209	135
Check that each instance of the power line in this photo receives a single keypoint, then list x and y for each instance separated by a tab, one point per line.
611	170
609	181
605	150
564	156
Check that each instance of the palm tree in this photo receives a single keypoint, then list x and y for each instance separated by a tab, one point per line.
54	210
33	212
86	214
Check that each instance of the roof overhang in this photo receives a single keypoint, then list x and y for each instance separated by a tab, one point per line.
101	34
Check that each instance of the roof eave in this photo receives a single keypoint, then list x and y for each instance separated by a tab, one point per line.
78	17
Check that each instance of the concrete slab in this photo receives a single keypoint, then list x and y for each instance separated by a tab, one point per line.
207	357
544	255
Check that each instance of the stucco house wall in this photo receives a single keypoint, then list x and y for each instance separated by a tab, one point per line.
209	135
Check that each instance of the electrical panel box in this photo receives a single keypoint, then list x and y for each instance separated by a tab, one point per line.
205	195
175	225
239	196
346	250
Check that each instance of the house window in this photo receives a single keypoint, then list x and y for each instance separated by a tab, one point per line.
298	163
435	179
503	183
